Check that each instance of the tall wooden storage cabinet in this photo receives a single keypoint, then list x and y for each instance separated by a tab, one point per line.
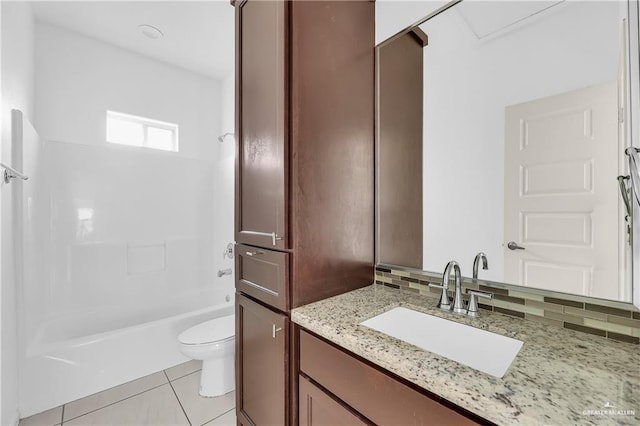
304	179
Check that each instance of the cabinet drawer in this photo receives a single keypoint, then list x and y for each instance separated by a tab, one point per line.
379	397
263	274
319	409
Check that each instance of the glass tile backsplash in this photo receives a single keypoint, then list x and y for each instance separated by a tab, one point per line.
570	312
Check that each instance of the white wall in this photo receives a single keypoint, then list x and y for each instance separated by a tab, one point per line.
468	83
17	92
79	78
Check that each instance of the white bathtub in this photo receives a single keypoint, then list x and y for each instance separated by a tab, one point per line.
70	360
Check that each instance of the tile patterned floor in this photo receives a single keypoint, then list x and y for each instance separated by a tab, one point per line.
169	397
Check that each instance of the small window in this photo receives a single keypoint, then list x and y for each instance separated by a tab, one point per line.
125	129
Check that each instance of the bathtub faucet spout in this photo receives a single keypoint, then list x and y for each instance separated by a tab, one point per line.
222	272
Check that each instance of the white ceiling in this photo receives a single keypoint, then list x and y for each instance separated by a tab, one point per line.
198	35
488	17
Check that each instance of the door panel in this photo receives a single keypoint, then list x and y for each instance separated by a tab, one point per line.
569	177
319	409
262	374
261	218
575	279
561	199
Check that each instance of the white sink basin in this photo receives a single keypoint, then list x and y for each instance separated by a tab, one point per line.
479	349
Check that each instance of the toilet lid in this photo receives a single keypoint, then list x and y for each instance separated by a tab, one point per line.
218	329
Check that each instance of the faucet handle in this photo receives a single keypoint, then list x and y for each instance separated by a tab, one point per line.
444	298
472	308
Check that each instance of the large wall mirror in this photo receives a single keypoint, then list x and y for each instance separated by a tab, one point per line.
514	145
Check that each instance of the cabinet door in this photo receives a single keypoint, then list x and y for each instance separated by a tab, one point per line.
261	364
319	409
261	173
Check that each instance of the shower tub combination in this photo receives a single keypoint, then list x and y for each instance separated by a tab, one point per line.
114	265
75	359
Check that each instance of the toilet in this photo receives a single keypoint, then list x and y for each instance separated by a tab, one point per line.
213	342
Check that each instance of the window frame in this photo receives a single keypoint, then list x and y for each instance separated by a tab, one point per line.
146	124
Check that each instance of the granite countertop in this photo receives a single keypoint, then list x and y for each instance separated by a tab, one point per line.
559	377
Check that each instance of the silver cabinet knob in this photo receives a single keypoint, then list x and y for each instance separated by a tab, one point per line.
274	330
512	245
273	235
274	238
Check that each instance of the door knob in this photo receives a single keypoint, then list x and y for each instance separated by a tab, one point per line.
513	246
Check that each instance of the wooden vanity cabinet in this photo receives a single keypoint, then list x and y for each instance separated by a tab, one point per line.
305	140
362	388
305	81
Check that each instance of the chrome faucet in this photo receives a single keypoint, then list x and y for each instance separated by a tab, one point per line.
476	263
444	297
458	304
472	309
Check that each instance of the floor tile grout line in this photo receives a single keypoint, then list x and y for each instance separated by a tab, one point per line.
177	378
109	389
178	399
217	417
115	402
62	419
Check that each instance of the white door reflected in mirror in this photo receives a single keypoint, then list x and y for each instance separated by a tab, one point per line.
561	165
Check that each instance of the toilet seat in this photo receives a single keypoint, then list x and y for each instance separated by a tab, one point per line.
218	330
